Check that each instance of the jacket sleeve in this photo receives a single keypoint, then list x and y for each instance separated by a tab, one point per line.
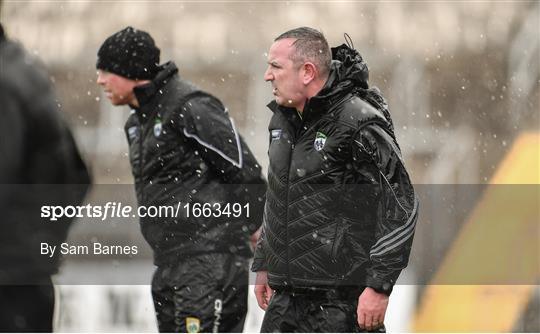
222	147
377	154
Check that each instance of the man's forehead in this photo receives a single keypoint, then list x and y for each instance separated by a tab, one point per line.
281	48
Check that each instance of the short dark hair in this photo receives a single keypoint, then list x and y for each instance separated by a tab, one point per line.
310	45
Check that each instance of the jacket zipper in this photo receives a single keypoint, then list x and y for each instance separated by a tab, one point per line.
287	238
297	135
141	151
141	162
287	212
334	246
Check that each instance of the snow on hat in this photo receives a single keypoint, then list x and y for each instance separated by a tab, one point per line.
130	53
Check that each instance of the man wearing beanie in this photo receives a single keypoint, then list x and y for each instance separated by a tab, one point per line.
184	148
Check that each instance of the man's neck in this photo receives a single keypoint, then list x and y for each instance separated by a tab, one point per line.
134	102
312	90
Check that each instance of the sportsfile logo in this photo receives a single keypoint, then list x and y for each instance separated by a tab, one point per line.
109	210
119	210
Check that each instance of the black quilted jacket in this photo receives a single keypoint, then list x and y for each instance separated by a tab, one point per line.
40	165
340	208
184	147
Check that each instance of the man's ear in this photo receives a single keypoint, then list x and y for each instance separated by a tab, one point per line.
309	73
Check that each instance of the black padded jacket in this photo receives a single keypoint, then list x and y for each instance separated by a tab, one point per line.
340	208
184	148
40	165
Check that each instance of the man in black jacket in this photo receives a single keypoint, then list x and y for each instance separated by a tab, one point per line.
39	165
340	209
184	148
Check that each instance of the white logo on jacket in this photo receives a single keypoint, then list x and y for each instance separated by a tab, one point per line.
157	128
320	140
132	132
276	134
218	308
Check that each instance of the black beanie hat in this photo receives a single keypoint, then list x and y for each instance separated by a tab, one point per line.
130	53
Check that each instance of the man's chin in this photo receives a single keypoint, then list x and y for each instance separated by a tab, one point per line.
116	102
284	103
280	101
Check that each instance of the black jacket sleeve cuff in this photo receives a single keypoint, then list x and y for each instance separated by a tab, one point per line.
258	265
380	286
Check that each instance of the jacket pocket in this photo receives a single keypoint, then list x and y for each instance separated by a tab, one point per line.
339	258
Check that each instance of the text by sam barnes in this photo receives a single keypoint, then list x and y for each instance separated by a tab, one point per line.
95	249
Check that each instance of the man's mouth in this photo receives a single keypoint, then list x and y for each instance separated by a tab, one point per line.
274	91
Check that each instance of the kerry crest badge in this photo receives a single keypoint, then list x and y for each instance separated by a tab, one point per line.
193	325
276	134
320	140
157	127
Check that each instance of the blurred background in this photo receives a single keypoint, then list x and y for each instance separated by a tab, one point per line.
462	81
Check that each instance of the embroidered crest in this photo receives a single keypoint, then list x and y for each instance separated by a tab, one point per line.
193	325
276	134
320	140
157	127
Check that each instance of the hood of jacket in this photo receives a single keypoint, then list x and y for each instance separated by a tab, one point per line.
349	73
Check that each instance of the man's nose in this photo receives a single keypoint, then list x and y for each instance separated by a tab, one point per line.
268	75
100	80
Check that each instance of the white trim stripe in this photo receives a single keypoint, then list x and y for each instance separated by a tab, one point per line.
398	230
393	193
405	232
406	226
386	250
238	164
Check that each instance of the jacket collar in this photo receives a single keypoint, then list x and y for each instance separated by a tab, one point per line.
348	71
145	93
288	112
